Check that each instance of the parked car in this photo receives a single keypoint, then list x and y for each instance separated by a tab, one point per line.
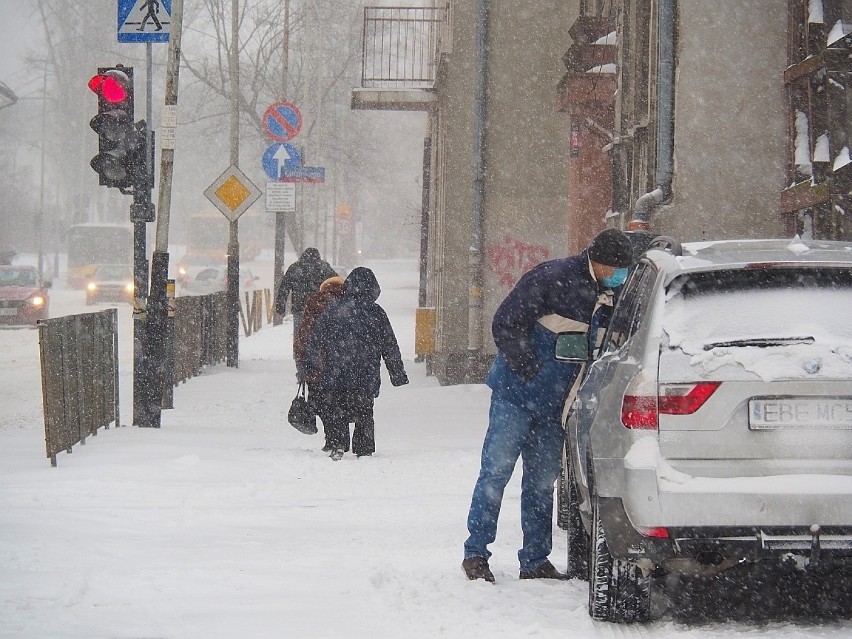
110	282
23	296
191	264
213	279
714	429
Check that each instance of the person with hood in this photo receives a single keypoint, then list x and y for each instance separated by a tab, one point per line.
344	353
316	304
529	388
302	278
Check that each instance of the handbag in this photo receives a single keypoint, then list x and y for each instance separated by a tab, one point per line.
300	415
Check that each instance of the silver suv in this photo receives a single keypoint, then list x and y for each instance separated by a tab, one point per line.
715	425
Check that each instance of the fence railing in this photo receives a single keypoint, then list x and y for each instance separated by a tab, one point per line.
401	45
200	333
79	377
79	361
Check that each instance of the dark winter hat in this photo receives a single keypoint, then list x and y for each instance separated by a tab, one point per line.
611	247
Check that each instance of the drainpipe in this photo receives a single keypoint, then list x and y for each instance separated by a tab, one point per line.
648	203
474	317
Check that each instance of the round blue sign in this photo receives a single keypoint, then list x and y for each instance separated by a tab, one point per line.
281	159
282	121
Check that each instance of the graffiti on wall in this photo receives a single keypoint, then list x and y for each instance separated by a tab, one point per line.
512	258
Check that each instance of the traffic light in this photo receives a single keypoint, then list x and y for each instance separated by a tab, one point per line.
119	155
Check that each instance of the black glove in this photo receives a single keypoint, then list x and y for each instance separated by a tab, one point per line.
399	379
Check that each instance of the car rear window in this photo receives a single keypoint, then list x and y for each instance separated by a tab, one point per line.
777	322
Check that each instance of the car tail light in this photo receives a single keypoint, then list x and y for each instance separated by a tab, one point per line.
639	404
685	399
657	532
643	403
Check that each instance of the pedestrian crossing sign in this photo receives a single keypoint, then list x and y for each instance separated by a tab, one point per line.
144	20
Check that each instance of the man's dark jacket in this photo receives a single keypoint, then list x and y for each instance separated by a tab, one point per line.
301	279
350	340
555	296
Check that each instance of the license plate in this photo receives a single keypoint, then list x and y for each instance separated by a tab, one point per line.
816	413
8	311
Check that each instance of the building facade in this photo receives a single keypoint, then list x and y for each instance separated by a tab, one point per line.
552	120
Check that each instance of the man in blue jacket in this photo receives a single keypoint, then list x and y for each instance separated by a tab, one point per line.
528	390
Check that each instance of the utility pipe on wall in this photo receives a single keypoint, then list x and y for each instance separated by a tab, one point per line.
647	203
474	328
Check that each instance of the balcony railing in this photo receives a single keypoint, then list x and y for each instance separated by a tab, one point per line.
401	46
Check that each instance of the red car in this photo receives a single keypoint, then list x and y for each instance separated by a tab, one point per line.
23	296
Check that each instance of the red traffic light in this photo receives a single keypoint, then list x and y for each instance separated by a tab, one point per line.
113	86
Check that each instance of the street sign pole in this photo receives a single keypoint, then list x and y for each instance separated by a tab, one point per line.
157	300
233	193
232	341
147	23
281	122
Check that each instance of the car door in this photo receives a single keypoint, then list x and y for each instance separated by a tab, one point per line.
596	396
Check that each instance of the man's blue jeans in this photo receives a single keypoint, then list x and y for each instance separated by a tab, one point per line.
512	432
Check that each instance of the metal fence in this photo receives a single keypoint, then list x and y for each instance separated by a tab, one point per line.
79	377
400	46
79	362
200	333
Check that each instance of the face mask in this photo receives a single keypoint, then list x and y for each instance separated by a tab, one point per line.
616	279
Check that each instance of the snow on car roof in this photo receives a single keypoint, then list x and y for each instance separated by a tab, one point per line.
726	253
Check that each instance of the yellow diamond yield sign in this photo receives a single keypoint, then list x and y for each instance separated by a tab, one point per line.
232	193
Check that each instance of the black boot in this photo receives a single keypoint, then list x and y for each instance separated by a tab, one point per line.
544	571
477	568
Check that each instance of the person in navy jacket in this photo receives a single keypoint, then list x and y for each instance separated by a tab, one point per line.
344	355
528	390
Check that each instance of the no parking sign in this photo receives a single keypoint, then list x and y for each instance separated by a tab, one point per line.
282	121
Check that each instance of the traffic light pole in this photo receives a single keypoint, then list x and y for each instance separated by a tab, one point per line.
124	162
145	395
140	282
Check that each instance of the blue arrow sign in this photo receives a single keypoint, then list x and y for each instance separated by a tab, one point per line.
283	162
280	157
144	20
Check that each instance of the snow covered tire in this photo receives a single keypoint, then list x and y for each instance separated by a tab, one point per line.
618	589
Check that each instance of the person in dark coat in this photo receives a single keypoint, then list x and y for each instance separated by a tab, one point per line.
529	388
345	349
302	278
316	304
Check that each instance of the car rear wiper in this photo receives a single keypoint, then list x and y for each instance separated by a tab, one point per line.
761	342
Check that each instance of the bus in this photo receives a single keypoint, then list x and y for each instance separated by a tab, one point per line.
91	245
208	233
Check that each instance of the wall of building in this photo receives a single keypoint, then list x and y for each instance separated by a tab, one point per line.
526	162
730	120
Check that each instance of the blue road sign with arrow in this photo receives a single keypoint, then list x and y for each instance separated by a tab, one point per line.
144	20
283	162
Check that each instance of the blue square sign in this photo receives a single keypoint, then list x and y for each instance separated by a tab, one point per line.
144	20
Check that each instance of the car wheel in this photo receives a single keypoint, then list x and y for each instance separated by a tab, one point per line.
618	590
578	538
